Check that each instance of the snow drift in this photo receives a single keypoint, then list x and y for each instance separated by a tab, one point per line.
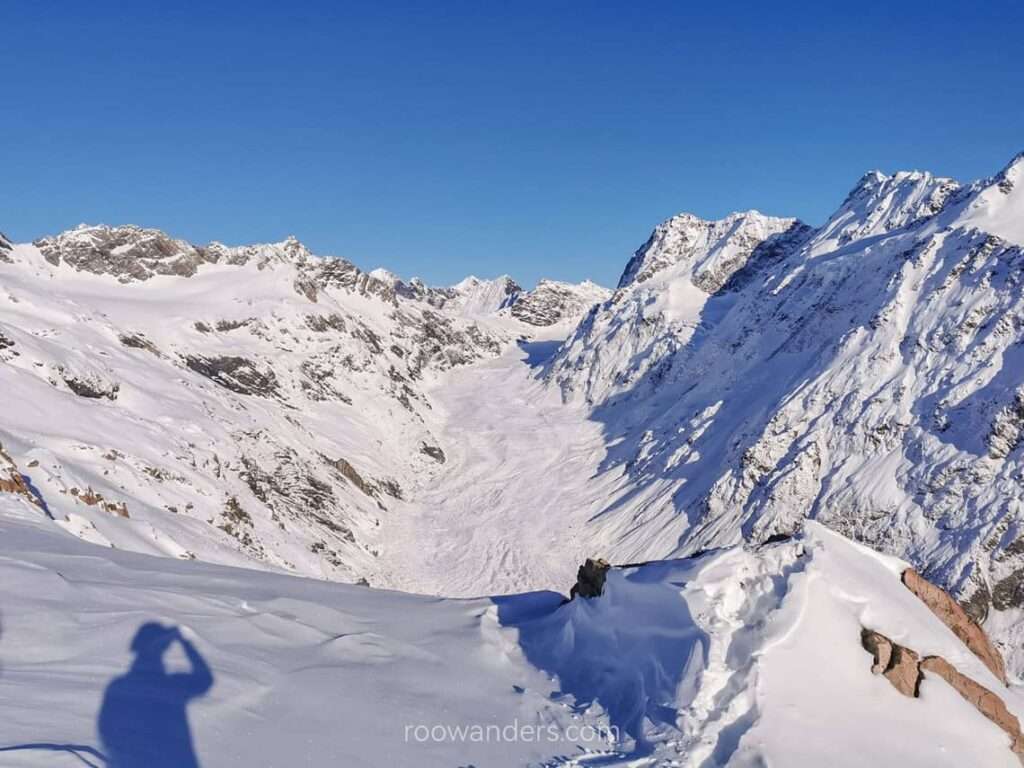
745	656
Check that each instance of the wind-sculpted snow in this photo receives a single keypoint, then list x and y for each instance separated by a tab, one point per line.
744	656
869	376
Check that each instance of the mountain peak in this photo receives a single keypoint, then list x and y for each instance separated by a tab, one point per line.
691	244
553	301
997	205
880	203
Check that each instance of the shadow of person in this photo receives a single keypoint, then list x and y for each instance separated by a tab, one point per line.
142	721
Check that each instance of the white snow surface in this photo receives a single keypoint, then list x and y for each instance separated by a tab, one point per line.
740	657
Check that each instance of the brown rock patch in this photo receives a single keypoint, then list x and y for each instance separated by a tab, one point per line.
953	616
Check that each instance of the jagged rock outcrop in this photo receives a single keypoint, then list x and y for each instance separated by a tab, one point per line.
953	616
904	669
710	250
899	665
880	203
236	373
590	579
12	481
552	302
981	698
126	252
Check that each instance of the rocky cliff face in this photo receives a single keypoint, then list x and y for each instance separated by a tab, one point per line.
554	302
708	251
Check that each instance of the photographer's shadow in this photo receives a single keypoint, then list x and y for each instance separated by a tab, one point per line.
143	721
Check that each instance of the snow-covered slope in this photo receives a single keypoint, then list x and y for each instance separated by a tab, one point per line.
867	374
742	657
244	405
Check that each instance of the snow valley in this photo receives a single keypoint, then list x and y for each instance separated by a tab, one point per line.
172	412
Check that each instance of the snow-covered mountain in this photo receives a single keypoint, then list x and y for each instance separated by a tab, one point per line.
264	405
234	404
749	373
552	302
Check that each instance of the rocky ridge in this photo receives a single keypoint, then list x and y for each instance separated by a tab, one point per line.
866	373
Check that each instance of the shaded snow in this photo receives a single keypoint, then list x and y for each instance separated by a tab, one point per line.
739	657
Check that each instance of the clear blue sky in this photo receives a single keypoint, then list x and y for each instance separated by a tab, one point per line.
437	138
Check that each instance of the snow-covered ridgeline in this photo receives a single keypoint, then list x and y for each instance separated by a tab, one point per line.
867	374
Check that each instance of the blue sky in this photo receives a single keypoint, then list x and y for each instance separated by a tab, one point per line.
439	139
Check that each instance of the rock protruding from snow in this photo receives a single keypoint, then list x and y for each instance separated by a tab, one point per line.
11	479
590	579
987	702
904	669
5	248
900	666
709	252
953	616
125	252
553	302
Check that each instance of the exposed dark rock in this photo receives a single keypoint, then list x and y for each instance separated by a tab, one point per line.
341	273
127	252
225	326
590	579
349	473
1009	592
138	341
1007	430
12	481
977	606
235	373
91	387
92	498
305	285
391	488
767	254
325	323
433	452
236	522
551	302
319	376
